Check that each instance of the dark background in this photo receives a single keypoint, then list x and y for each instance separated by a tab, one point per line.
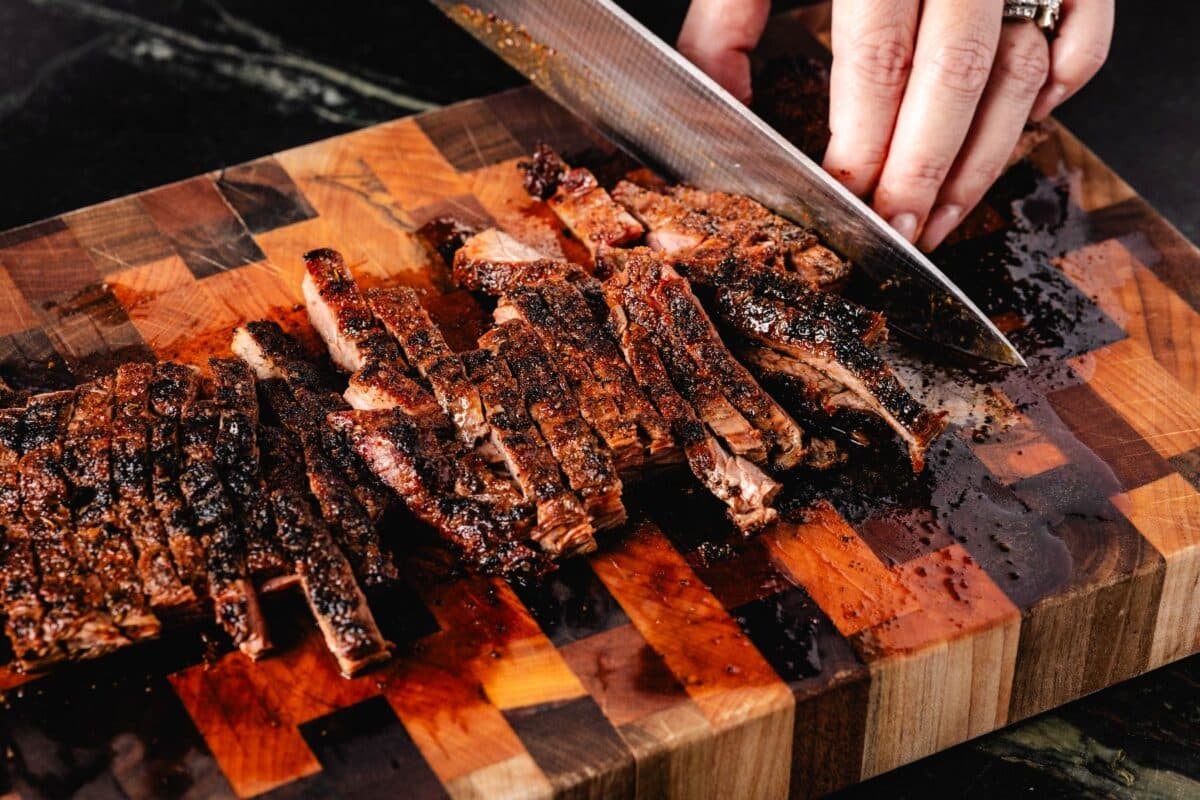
100	98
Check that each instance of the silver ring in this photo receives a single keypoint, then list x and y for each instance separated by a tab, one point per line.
1043	13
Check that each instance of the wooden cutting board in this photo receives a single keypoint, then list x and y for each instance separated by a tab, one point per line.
1052	549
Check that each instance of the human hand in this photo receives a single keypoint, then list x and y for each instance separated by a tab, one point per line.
927	99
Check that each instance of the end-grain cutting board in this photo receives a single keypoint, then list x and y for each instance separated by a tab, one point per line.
1052	549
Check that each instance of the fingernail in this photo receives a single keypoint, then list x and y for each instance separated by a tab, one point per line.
905	225
943	220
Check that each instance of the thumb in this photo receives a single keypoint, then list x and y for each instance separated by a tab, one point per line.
718	35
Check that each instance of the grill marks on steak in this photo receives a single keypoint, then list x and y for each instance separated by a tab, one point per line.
563	526
402	315
494	262
101	543
588	465
326	576
340	315
234	601
131	471
75	616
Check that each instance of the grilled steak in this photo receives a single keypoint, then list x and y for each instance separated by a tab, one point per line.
174	386
410	457
844	359
19	579
103	545
493	262
579	201
587	464
238	460
401	313
130	462
563	527
326	577
234	601
340	315
72	596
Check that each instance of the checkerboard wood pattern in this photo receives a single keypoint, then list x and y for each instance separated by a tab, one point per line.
1053	548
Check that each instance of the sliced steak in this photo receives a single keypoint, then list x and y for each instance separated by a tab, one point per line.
234	601
76	616
106	551
493	262
401	313
410	457
240	465
844	359
585	461
340	315
563	526
326	577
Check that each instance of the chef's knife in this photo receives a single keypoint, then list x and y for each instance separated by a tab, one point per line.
601	64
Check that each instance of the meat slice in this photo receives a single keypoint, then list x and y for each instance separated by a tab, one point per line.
671	225
844	359
401	313
577	198
19	579
174	386
72	596
234	601
271	353
745	489
105	550
352	525
692	379
596	404
585	334
853	320
587	464
340	315
326	577
563	526
240	464
493	262
740	216
680	309
131	479
409	456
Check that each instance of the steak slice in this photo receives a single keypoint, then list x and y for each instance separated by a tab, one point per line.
739	216
105	550
404	317
273	354
326	577
340	315
174	386
494	262
745	489
352	526
586	462
240	465
410	457
844	359
72	596
579	201
851	318
563	527
19	578
234	601
596	404
131	471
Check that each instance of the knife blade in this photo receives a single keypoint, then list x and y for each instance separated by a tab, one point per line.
601	64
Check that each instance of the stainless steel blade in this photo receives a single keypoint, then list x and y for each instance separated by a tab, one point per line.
601	64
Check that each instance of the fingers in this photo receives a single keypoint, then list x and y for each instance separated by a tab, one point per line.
718	35
873	44
1078	52
1019	72
956	45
